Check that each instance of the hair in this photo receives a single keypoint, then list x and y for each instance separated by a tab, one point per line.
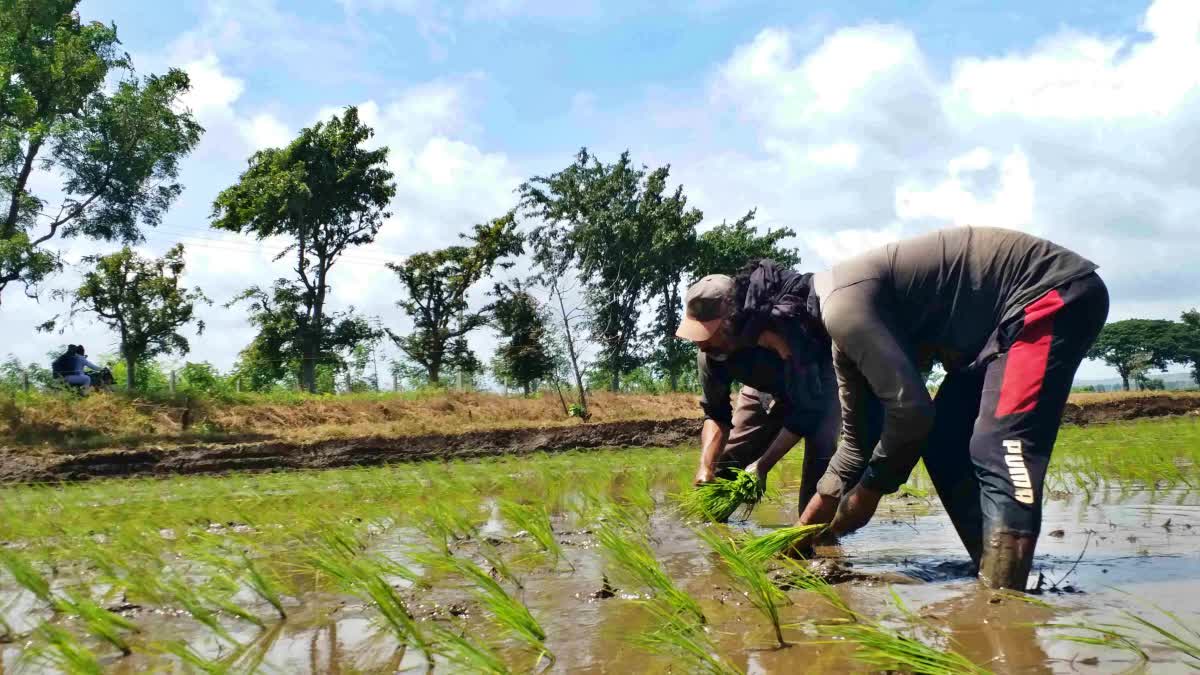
80	350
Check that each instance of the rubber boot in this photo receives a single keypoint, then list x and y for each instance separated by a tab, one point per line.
1007	560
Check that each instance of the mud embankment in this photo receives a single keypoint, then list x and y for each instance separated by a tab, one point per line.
22	465
18	466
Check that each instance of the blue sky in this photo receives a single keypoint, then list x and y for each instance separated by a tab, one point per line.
853	123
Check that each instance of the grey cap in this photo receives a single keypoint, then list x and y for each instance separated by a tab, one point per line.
708	303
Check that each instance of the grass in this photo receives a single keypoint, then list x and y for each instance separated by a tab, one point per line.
722	498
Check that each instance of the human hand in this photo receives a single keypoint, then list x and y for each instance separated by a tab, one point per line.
704	474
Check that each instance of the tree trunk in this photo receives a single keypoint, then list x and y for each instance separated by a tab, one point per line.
563	401
130	368
525	388
1125	380
614	384
571	351
308	368
434	371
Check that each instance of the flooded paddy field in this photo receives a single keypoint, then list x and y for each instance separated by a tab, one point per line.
581	562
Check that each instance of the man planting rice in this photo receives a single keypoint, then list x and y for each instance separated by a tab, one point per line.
1010	317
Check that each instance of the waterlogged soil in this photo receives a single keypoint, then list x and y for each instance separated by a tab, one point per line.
1100	554
47	464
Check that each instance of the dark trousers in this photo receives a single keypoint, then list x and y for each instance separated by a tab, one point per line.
754	428
995	426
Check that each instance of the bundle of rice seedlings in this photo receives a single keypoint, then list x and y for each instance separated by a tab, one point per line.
783	540
720	499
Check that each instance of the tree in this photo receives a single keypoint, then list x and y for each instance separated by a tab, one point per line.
141	299
526	354
726	249
1189	330
600	218
1136	345
115	152
327	193
673	247
285	340
436	284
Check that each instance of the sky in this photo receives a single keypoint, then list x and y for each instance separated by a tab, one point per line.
854	124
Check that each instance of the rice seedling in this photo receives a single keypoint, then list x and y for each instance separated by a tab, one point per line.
1137	632
98	621
507	611
182	651
887	650
678	636
265	584
782	540
535	520
749	575
637	562
722	498
194	603
499	565
364	579
470	656
63	652
26	576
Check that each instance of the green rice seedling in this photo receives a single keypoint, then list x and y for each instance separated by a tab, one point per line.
1182	638
98	621
761	549
265	583
25	575
1107	636
886	650
637	493
719	500
471	657
64	653
193	603
506	610
748	574
180	650
638	563
364	579
678	636
536	521
497	562
218	592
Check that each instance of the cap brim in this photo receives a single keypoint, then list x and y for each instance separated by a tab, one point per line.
698	331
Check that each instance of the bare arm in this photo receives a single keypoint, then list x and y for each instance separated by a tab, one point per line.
784	441
713	438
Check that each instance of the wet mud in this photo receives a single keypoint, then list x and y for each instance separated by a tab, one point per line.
25	465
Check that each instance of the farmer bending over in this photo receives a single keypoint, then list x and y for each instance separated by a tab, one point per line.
789	389
1010	317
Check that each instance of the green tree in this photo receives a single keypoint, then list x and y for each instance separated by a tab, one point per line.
284	343
1190	341
114	152
726	249
673	247
526	353
327	193
1134	346
140	299
601	219
436	284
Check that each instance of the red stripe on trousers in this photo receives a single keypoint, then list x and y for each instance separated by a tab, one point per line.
1026	366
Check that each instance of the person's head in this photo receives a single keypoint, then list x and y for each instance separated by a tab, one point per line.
708	307
80	350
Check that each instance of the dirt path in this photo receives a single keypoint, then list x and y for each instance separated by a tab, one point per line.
22	465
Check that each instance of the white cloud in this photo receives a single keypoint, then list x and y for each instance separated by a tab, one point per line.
978	190
264	130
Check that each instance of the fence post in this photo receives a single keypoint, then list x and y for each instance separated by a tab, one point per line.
25	380
172	383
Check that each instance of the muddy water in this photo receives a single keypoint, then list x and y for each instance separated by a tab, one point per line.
1099	555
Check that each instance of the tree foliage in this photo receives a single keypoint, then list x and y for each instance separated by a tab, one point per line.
142	301
1134	346
436	284
526	352
114	152
282	347
725	249
327	193
1189	331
